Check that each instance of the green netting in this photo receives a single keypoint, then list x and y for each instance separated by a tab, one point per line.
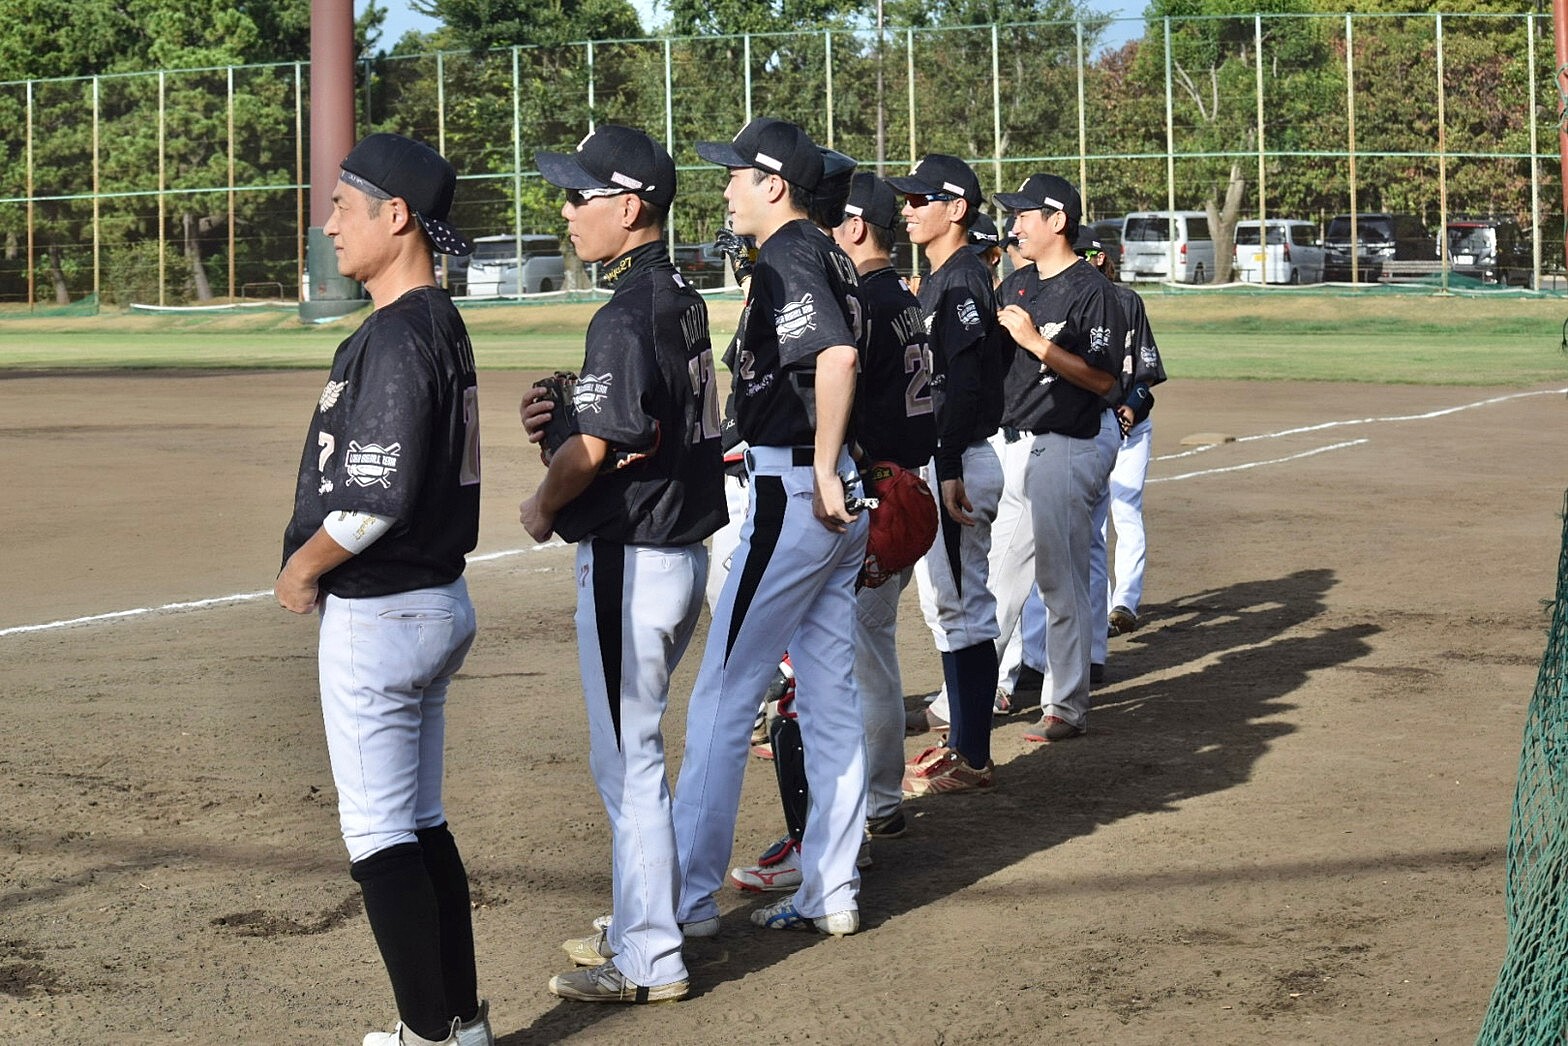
84	306
1530	1002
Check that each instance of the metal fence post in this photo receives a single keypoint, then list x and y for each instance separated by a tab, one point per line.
517	148
1170	155
1083	124
97	189
669	135
592	84
300	227
827	67
1350	146
163	203
32	289
231	181
996	111
1263	207
1535	166
746	57
1442	163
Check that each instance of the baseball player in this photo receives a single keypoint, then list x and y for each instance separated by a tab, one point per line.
1064	320
1123	501
791	584
893	420
386	507
942	196
639	486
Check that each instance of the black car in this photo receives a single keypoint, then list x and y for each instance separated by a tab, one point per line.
1492	250
1389	246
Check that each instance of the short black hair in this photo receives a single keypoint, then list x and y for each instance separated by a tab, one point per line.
799	198
883	238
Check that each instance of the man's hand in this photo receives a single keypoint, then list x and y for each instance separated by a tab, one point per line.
536	410
957	502
1124	418
539	524
827	502
296	591
1021	327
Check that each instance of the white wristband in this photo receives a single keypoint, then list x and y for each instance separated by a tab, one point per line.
355	531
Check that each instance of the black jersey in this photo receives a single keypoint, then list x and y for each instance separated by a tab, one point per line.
894	417
396	434
1077	310
1143	365
805	298
647	388
970	355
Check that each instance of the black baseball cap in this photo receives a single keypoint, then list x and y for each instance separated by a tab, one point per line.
827	199
938	173
613	157
872	200
1087	241
402	167
983	234
775	146
1044	192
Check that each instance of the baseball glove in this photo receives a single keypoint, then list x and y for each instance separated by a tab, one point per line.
903	524
559	388
741	253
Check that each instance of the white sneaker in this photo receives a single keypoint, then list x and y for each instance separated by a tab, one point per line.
778	869
477	1032
782	915
401	1036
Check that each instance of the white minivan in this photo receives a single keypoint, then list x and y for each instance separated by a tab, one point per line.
1150	239
1293	254
494	271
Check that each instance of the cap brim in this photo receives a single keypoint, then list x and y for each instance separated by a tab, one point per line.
909	185
836	163
723	154
1017	201
564	172
444	238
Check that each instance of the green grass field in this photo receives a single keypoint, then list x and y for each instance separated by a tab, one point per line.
1322	336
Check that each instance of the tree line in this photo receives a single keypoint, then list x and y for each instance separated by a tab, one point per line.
996	81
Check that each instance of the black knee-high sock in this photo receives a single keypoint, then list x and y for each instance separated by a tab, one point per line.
950	678
401	905
450	879
972	704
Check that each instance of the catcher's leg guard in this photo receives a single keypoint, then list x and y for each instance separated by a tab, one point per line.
789	762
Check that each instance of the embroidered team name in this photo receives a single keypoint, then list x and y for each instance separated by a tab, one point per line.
371	464
795	318
909	326
591	390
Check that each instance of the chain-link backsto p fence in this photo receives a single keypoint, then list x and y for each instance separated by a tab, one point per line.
184	186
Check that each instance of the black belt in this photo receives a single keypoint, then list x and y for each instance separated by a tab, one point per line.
799	456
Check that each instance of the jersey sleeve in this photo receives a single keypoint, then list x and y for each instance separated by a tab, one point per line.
373	457
1099	330
809	313
1147	366
619	363
960	324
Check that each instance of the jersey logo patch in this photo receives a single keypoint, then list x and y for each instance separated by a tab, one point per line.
591	391
1099	339
969	314
795	318
330	394
371	464
929	321
1049	331
1150	356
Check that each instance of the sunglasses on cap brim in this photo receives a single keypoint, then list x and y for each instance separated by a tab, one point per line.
578	197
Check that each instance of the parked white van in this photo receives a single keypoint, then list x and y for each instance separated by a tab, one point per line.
1293	254
493	269
1149	238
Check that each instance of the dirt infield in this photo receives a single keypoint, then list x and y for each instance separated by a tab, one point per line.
1287	823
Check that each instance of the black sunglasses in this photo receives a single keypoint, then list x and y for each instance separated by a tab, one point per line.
578	197
918	200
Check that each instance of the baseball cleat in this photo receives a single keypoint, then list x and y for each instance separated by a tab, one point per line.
890	826
922	720
605	984
400	1035
708	927
776	870
1053	728
781	915
942	770
1123	621
589	951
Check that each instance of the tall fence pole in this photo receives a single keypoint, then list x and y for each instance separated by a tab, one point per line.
299	180
1083	127
1263	196
1535	163
592	80
996	111
97	189
231	182
1560	46
32	290
827	77
746	57
1170	153
1350	146
163	203
517	140
1442	163
445	272
669	131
